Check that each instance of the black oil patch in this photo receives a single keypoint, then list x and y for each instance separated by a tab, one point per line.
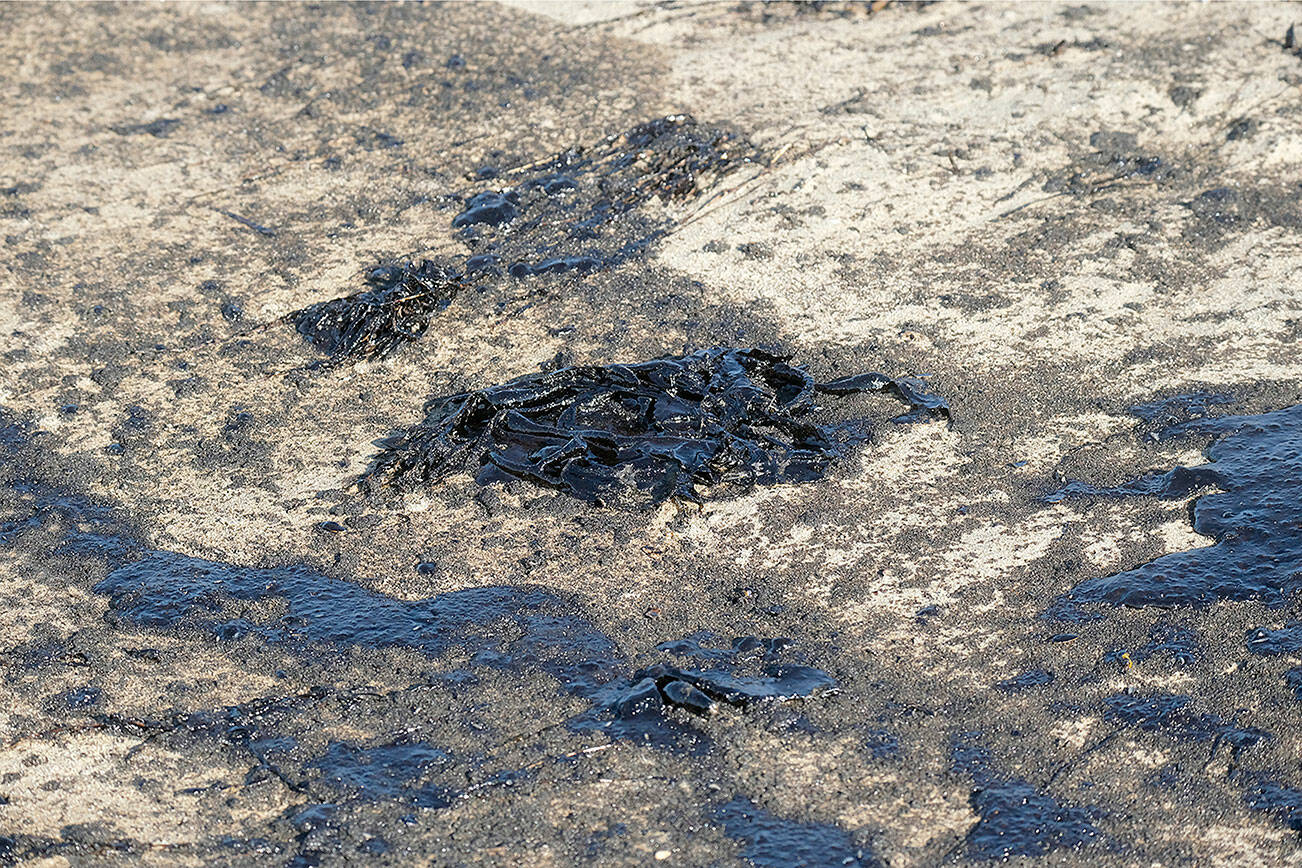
1178	645
1254	520
1277	642
1117	157
1282	802
776	842
1293	678
1016	819
1162	415
1027	680
377	322
83	527
882	744
636	435
385	772
1280	642
1170	713
1219	211
169	590
699	690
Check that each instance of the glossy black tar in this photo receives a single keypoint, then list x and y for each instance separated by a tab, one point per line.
636	435
1255	519
1280	642
1117	156
750	670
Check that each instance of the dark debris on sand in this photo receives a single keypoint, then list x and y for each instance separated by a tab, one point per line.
638	434
1014	817
580	210
376	322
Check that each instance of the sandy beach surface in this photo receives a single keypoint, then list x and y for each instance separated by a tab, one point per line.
227	639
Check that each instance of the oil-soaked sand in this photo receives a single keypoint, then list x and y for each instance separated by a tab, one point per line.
219	648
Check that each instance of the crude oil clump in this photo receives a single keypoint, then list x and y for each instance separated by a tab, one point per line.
642	433
376	322
699	690
752	670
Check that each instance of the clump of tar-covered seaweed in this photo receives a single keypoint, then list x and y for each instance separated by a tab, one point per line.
638	434
376	322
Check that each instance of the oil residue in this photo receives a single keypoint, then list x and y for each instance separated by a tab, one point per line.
1280	801
1117	157
638	434
1179	645
1276	642
577	210
1014	818
1280	642
1170	713
1028	680
537	629
384	772
1255	520
751	670
776	842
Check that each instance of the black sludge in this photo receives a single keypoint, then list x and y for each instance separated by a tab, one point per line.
1016	819
1170	713
377	322
579	211
1282	802
1284	641
743	675
1256	520
543	632
777	842
699	690
640	434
